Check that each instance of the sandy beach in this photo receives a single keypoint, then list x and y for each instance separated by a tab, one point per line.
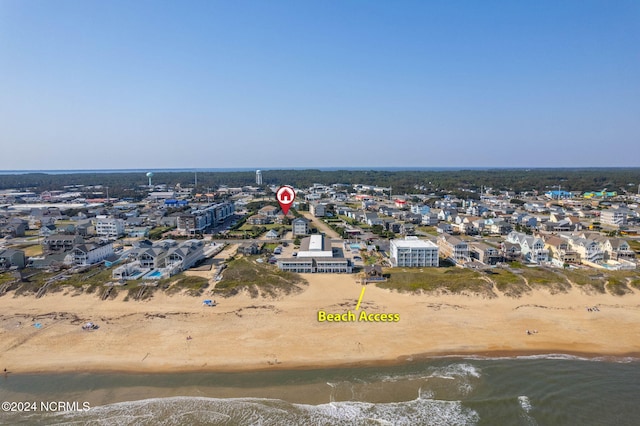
179	333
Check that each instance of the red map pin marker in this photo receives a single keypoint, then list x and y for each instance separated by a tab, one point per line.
285	196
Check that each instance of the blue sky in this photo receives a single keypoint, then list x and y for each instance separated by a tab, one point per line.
265	84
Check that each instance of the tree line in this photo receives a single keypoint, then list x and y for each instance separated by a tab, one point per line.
128	184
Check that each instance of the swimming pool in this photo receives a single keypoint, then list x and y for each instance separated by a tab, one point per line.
355	246
154	275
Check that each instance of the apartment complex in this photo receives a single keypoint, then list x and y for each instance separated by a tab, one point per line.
316	256
613	217
109	227
199	220
412	252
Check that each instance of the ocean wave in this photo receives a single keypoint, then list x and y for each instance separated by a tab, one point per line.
200	410
451	372
526	406
524	402
555	356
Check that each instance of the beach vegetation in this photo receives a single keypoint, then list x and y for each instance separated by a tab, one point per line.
156	233
258	279
588	280
450	280
617	287
191	285
545	278
510	284
634	245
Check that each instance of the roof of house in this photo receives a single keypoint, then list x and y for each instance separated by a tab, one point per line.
413	243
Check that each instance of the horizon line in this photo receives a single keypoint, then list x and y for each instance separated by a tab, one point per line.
303	168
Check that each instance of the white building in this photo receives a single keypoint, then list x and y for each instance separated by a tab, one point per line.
109	227
88	254
532	248
613	217
412	252
258	177
316	256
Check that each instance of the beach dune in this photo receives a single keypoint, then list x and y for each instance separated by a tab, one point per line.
179	333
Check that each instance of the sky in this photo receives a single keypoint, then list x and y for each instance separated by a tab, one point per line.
334	83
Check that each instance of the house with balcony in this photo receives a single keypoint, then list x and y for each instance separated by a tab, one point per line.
317	209
269	211
89	253
59	243
560	251
109	227
300	226
614	217
258	219
612	247
532	248
12	258
453	248
510	251
588	249
484	253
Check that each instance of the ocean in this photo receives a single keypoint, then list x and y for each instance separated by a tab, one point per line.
535	390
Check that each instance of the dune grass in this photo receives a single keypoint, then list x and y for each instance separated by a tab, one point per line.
453	280
544	278
259	279
512	285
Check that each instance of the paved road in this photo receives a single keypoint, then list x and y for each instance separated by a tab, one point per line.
322	227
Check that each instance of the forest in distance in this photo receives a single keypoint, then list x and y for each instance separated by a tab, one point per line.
125	184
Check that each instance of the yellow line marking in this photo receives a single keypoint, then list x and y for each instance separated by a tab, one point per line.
360	299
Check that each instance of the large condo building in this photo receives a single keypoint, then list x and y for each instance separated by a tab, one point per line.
109	227
316	255
613	217
206	217
412	252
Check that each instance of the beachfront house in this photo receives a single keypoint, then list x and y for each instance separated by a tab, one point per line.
453	248
532	248
89	253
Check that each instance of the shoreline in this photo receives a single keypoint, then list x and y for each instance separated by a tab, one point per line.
409	360
177	334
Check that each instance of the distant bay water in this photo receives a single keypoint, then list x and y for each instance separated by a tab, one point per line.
536	390
245	169
323	169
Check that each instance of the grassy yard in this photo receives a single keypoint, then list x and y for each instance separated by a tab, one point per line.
32	250
156	233
431	230
258	278
454	280
247	227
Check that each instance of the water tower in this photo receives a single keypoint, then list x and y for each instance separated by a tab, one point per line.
150	175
